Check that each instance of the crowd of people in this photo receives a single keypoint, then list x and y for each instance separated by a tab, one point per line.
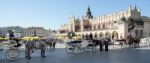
104	42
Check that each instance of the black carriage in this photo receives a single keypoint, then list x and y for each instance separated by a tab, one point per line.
76	46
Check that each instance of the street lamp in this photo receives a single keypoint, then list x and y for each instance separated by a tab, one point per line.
35	32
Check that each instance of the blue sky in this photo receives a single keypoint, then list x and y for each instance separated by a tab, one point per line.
53	13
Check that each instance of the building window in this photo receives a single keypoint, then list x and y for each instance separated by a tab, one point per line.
103	26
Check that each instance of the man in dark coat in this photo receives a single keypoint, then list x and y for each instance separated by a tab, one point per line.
106	43
12	37
101	43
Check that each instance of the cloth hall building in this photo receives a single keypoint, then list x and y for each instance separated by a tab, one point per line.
115	25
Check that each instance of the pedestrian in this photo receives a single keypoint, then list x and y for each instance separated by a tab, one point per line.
106	43
54	43
101	43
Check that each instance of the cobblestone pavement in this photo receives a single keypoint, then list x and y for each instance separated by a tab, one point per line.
126	55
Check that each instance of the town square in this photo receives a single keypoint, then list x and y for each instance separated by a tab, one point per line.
87	31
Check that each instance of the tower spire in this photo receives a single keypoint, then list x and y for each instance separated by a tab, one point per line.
89	13
135	7
130	8
88	9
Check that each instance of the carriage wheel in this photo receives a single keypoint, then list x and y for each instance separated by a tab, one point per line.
94	49
69	49
1	49
76	50
12	54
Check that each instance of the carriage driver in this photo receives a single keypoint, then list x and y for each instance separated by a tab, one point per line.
12	37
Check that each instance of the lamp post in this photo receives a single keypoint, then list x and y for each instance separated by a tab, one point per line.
35	32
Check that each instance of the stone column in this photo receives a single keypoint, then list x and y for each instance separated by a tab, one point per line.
73	26
82	25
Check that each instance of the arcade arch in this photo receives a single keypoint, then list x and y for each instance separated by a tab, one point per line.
114	35
101	34
107	34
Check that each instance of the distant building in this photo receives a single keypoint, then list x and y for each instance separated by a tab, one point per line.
16	29
3	31
36	31
22	32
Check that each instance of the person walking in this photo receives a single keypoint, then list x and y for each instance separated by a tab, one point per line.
106	43
54	43
101	43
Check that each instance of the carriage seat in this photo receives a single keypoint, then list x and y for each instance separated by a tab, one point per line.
93	43
13	42
73	43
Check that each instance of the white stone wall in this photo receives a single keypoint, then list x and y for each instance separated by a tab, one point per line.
147	27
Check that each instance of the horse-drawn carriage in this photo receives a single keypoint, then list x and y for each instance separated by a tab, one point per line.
84	45
11	53
31	44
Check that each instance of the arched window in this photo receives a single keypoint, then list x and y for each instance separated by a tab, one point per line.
91	36
95	36
101	34
103	26
107	34
114	35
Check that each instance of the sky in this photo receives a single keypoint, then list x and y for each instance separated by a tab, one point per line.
52	13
